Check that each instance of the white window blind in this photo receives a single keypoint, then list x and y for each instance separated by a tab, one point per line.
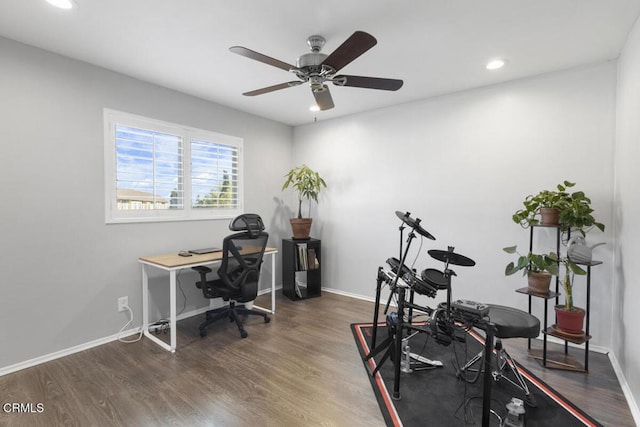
214	175
151	172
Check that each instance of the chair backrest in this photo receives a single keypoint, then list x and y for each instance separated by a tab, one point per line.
242	257
251	223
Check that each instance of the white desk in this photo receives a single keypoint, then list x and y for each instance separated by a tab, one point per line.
172	263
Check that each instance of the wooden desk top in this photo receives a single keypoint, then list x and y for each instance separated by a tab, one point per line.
171	261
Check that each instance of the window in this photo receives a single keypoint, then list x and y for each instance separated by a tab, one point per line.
158	171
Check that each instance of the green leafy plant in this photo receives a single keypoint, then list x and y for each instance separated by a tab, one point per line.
307	183
550	263
531	262
575	209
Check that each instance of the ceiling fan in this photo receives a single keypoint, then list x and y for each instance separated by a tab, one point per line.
318	68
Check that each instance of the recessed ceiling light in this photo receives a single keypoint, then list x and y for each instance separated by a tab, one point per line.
314	108
495	64
62	4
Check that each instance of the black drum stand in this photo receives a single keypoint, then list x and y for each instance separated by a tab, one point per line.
393	344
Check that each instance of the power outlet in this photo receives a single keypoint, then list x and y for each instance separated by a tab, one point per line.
122	303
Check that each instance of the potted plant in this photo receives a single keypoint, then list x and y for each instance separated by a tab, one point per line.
569	318
308	184
538	267
572	211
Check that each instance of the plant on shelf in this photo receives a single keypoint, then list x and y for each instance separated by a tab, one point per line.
570	318
308	183
572	211
545	266
537	267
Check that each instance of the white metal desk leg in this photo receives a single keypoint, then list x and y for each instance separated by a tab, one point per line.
273	283
172	309
145	300
145	311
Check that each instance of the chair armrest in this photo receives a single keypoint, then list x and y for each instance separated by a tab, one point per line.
203	275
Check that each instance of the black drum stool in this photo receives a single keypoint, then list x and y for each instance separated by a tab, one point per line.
507	322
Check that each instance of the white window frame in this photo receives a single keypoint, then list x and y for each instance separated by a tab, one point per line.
114	216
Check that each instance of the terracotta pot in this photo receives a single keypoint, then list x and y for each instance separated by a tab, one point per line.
570	321
549	216
301	228
539	282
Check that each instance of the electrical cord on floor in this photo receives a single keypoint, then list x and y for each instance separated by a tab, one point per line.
162	325
127	324
462	375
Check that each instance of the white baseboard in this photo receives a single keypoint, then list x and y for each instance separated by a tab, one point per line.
66	352
268	290
86	346
348	294
633	404
95	343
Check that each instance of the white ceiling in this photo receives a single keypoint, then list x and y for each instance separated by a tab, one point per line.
435	46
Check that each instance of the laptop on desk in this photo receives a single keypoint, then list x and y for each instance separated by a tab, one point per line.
204	251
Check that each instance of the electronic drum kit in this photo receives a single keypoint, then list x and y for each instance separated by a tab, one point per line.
443	321
402	279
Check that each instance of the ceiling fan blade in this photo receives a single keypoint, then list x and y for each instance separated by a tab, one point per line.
272	88
367	82
260	57
353	47
324	101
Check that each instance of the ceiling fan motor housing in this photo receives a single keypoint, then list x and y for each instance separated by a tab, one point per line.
311	59
309	65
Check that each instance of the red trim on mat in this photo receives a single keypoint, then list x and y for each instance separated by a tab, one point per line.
391	408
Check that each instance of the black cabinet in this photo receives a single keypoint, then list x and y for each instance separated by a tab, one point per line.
301	268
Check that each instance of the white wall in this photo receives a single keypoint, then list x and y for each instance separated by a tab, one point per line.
62	267
463	164
626	289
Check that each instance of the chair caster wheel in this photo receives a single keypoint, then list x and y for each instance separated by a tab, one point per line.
243	334
267	319
203	333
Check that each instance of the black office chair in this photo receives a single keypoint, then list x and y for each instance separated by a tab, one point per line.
238	274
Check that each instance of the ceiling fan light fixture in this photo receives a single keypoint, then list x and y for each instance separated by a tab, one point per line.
63	4
495	64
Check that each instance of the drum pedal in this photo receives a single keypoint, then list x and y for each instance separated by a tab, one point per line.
405	363
426	361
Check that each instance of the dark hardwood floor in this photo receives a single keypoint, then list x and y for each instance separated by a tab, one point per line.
301	369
